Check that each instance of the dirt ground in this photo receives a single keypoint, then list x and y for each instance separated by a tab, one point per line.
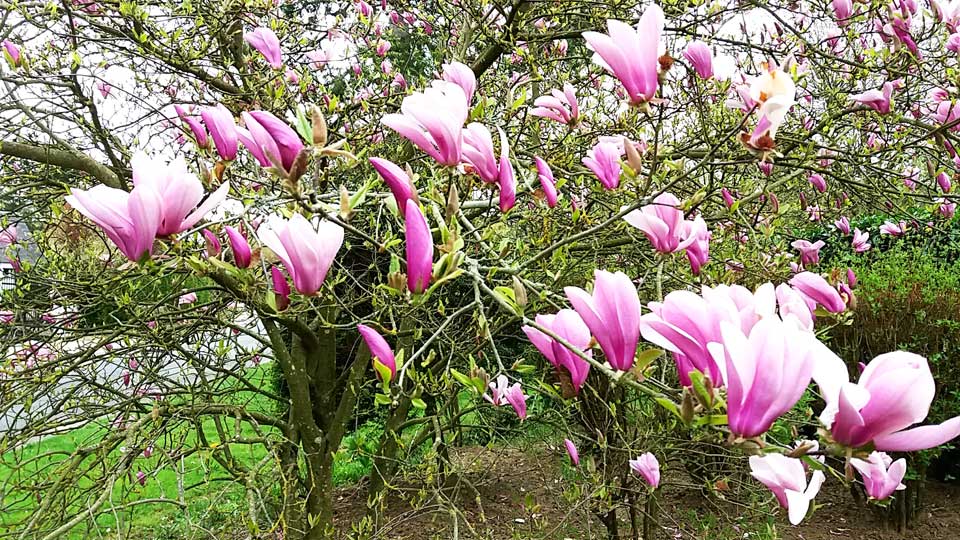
522	494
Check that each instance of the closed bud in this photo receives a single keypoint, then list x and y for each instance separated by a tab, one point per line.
634	159
519	291
297	169
319	124
687	407
453	201
345	210
218	170
397	281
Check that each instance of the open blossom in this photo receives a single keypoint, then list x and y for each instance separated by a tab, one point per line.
187	298
180	192
947	209
270	140
894	229
266	42
881	475
809	252
894	392
775	93
547	183
648	468
767	371
612	313
8	236
318	59
878	100
842	225
478	152
631	55
307	251
816	290
701	58
432	120
506	178
380	351
568	325
604	160
502	393
461	75
560	106
663	224
860	241
787	479
130	220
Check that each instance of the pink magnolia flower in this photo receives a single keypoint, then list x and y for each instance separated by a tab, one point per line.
843	9
787	479
242	254
141	478
432	120
894	392
817	291
943	180
560	106
604	160
363	9
187	298
502	393
547	184
775	92
572	452
767	371
817	182
612	313
281	289
6	317
698	252
860	241
104	88
894	229
478	152
194	125
461	75
506	178
631	55
728	199
223	130
270	140
380	351
701	58
947	209
130	220
318	59
383	47
12	52
881	475
8	236
663	224
266	42
647	466
842	225
878	100
809	252
180	192
568	325
307	251
397	180
419	248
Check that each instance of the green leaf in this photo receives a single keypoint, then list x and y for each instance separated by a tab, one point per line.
669	405
382	399
418	403
462	379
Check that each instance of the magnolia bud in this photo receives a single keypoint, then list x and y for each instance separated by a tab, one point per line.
453	201
319	124
634	159
686	407
519	291
397	281
345	210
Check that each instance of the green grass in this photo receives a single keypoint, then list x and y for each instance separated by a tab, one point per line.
214	501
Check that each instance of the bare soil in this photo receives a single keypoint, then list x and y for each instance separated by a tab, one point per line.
522	493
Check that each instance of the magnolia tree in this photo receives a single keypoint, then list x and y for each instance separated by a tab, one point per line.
255	225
